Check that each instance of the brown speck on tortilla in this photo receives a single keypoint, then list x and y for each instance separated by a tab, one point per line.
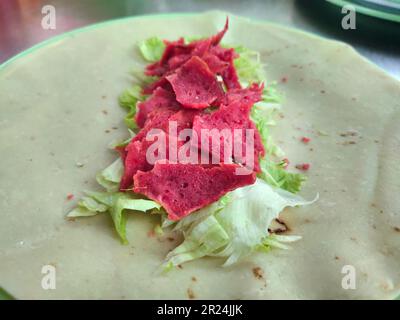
107	131
349	133
104	97
258	273
353	239
322	91
380	211
194	279
284	79
376	141
397	229
104	112
114	128
190	293
72	219
337	258
86	182
346	143
171	239
353	98
180	266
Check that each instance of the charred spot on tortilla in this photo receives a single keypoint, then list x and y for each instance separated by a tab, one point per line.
258	273
190	293
278	226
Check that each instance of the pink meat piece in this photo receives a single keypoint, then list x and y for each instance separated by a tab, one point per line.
195	86
160	99
229	74
235	115
134	155
184	188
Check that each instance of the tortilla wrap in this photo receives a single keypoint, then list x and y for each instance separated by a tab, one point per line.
59	105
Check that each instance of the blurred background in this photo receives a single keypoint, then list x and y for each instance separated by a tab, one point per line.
377	33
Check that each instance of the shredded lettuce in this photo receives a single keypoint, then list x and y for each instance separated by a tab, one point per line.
264	117
115	203
248	66
121	144
128	100
152	49
112	201
276	175
236	229
110	177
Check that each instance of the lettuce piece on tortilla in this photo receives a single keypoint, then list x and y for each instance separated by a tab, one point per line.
276	175
152	49
116	204
128	100
110	177
235	228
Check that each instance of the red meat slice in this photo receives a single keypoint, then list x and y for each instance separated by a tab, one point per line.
247	96
195	86
177	53
184	188
235	115
229	74
134	155
160	99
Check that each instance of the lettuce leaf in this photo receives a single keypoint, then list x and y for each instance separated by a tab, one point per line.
276	175
248	66
152	49
121	144
116	204
128	100
236	229
110	177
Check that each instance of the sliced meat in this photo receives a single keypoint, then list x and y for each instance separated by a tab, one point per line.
195	86
227	119
160	100
184	188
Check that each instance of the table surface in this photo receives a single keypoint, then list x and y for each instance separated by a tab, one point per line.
377	40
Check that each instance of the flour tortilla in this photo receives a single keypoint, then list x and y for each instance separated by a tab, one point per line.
52	120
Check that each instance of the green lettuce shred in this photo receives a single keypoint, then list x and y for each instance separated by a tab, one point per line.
116	204
152	49
128	100
235	229
112	201
248	66
276	175
110	177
